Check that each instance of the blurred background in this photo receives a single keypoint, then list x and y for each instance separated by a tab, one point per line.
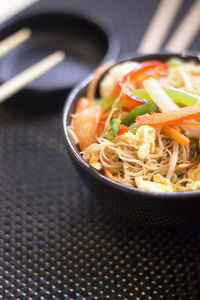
141	12
12	7
57	241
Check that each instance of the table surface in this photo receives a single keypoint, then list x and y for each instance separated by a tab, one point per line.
57	241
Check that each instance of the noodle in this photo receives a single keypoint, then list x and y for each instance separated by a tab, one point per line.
121	159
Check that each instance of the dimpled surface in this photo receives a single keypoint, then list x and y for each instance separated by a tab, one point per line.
57	241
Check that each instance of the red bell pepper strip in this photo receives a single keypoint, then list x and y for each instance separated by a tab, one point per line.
130	101
151	68
122	129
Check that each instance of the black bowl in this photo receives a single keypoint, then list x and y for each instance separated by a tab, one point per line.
77	35
140	206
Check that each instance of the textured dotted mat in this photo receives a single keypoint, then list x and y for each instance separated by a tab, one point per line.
57	242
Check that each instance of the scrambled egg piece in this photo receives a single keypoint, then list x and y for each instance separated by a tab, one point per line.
143	141
154	186
189	187
113	76
145	137
195	186
194	173
128	138
160	179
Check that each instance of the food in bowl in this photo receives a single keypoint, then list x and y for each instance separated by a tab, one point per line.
143	130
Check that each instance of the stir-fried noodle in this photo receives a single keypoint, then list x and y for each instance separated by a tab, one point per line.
159	157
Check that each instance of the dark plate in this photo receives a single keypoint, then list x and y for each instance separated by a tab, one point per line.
85	40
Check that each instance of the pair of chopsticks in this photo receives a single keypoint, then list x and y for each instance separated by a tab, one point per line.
152	42
16	83
161	23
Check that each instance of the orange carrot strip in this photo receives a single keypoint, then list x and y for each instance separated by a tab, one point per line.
187	165
175	135
191	122
176	128
170	118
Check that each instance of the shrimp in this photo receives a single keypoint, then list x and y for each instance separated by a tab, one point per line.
85	121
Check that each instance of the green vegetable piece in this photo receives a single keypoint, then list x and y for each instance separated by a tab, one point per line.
175	62
112	128
179	96
109	134
106	103
134	127
182	97
142	93
139	110
115	124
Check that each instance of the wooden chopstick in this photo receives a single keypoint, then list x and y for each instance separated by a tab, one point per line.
186	31
16	83
159	26
14	40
